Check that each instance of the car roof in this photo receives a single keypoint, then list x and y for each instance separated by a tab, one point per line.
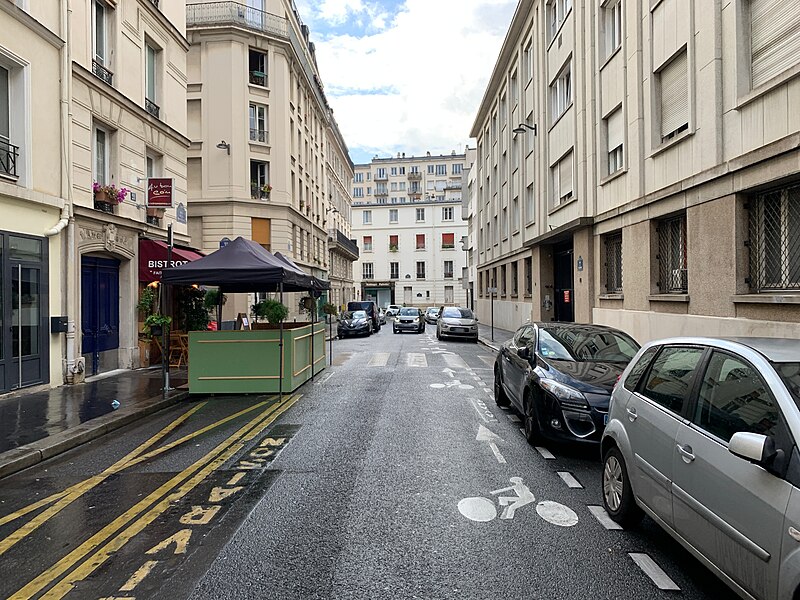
576	326
777	350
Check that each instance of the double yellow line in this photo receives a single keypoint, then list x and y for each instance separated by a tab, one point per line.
158	501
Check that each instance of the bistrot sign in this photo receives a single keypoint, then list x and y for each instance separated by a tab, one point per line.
159	192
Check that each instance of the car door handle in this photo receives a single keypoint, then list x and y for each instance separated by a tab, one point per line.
631	414
686	453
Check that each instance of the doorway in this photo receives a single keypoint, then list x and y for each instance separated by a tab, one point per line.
100	313
563	282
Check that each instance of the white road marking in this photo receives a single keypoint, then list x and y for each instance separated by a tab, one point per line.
379	359
477	508
489	360
487	435
557	514
488	390
416	359
449	372
602	516
570	480
483	411
545	453
324	378
653	571
514	418
455	361
522	430
500	458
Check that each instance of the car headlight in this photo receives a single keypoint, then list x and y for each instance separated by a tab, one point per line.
565	394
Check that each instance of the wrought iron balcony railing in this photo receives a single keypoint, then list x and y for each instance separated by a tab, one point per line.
259	135
233	13
338	240
151	107
414	176
8	158
101	72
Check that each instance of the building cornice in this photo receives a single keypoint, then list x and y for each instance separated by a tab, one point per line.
406	159
31	23
89	79
559	232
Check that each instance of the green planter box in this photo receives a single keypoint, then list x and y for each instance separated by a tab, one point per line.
248	362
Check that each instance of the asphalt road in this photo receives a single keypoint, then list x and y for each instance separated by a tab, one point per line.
392	475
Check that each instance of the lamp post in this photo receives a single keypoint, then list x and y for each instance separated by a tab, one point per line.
334	210
524	128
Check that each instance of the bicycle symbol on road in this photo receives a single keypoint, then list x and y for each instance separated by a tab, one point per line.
481	509
455	383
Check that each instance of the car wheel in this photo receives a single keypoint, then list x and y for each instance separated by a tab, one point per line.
533	433
617	493
500	397
394	330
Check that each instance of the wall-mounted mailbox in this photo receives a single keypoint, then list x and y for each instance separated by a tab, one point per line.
58	324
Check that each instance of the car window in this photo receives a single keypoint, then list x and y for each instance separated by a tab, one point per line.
409	312
586	344
790	373
523	335
636	372
668	381
452	312
733	397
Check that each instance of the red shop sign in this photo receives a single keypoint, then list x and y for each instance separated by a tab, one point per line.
159	192
566	296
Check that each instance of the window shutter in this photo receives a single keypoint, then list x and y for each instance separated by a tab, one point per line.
774	37
616	130
674	95
565	176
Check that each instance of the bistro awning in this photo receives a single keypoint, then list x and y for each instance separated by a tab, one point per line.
153	258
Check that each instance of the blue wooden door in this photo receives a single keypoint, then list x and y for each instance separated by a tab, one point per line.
99	307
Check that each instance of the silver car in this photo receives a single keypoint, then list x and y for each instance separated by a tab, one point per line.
703	437
457	321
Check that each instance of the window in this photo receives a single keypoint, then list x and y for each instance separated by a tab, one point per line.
381	174
259	179
367	241
527	63
561	93
672	255
430	169
366	271
612	27
101	166
393	243
674	94
668	382
774	241
514	278
393	214
393	171
457	169
504	222
441	169
420	269
8	152
420	214
503	280
258	123
514	215
394	270
366	217
448	240
561	176
530	204
448	269
557	11
358	192
613	265
528	276
734	398
358	178
261	232
258	68
639	368
615	134
102	57
420	241
447	213
774	43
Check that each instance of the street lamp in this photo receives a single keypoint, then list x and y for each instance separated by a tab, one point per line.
523	128
223	145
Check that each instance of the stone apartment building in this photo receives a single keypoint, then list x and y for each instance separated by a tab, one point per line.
267	160
638	166
407	221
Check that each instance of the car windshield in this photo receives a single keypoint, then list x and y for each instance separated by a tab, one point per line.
586	345
354	314
790	373
432	311
409	312
452	312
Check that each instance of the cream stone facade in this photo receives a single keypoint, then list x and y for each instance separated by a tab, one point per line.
407	221
267	160
638	166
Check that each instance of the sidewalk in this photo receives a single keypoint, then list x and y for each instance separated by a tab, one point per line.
36	425
500	336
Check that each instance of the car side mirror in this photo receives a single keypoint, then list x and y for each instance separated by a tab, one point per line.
476	319
524	353
756	448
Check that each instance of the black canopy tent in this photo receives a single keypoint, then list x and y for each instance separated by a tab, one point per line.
245	266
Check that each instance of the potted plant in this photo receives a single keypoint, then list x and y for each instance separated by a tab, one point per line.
107	196
155	323
392	247
272	310
265	190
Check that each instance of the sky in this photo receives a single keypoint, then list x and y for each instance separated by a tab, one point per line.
406	75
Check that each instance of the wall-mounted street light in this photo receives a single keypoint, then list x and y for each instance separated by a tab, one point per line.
223	145
523	128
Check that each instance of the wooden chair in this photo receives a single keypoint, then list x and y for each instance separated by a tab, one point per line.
178	351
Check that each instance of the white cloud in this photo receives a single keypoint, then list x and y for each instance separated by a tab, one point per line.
414	82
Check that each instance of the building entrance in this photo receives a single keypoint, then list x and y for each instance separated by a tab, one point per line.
564	300
100	313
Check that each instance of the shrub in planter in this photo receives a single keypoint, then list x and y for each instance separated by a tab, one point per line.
272	310
155	323
211	299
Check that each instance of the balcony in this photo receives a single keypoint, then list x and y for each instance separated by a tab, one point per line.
339	242
151	107
259	135
213	14
8	158
381	191
381	177
415	176
101	72
453	185
258	78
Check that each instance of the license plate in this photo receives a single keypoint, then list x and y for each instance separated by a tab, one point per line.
605	419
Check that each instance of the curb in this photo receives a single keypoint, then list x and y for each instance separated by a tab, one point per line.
31	454
489	344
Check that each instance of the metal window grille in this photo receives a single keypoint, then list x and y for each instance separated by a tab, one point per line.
672	274
151	107
614	263
101	72
8	158
774	240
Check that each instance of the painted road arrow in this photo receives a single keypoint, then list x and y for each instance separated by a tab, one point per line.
449	371
487	435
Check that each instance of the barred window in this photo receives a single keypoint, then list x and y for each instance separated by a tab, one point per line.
614	263
367	271
774	240
672	275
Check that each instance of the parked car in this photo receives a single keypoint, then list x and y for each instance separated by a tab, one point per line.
371	309
381	316
431	314
354	322
392	310
703	437
409	319
560	376
457	321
